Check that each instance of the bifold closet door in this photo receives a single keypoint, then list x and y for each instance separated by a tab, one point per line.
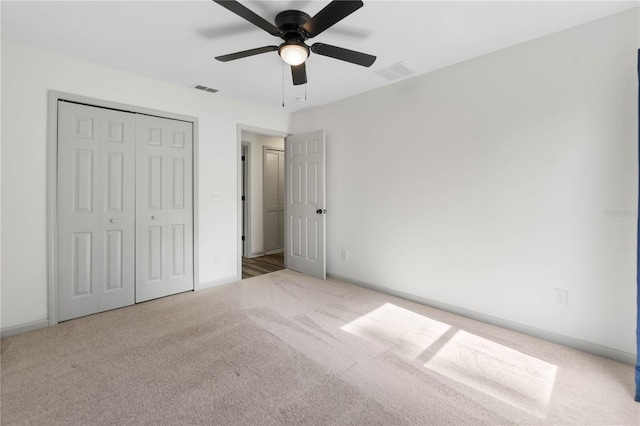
164	207
96	209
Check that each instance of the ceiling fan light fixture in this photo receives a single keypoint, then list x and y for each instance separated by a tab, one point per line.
294	53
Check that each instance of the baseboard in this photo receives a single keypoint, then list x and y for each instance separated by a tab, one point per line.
35	325
265	253
276	251
217	283
23	328
592	348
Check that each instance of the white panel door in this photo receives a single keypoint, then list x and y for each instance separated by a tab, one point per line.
305	208
164	207
273	199
96	149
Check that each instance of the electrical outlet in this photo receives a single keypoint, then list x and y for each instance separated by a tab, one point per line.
216	258
561	296
215	196
345	254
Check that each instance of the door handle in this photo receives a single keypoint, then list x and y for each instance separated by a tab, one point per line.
154	217
112	220
321	211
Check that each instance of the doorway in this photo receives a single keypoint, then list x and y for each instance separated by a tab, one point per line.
305	209
257	254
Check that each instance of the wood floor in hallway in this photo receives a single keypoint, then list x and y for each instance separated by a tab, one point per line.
255	266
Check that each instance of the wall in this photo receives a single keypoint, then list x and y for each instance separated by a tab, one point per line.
257	142
27	75
484	185
488	184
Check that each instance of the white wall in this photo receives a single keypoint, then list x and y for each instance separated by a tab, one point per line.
27	74
486	184
257	142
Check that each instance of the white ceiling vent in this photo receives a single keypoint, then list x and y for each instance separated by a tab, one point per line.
205	88
394	72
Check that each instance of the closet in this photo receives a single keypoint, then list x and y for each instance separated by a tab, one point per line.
124	208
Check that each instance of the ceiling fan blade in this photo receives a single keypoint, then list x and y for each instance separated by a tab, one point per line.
343	54
250	16
333	13
246	53
299	74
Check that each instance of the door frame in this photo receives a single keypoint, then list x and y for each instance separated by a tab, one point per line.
52	183
259	131
245	189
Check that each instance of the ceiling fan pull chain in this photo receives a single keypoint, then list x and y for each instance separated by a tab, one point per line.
283	85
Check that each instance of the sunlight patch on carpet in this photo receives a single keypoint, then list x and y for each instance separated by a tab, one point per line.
407	332
501	372
520	380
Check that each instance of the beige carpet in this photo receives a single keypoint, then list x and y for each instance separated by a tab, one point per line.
284	348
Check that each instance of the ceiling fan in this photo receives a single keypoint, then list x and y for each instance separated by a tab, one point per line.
295	27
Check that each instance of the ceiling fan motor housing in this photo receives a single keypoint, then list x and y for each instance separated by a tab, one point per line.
290	23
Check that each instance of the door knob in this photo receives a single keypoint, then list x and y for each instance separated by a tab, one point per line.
321	211
154	217
112	220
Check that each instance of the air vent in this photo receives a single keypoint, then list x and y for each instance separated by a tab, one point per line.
205	88
394	72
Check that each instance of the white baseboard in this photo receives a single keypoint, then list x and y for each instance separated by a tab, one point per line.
217	283
589	347
592	348
23	328
265	253
276	251
35	325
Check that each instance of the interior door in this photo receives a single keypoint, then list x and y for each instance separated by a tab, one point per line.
96	149
305	249
164	207
273	199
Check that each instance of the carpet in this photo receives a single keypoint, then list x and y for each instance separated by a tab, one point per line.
285	348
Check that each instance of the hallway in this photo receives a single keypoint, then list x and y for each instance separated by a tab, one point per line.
255	266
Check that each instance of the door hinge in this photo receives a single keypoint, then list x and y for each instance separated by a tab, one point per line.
243	198
243	238
244	158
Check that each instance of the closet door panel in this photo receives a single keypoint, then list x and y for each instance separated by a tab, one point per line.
164	233
95	209
149	213
117	209
179	222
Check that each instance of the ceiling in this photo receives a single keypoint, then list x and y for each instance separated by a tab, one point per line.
176	41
